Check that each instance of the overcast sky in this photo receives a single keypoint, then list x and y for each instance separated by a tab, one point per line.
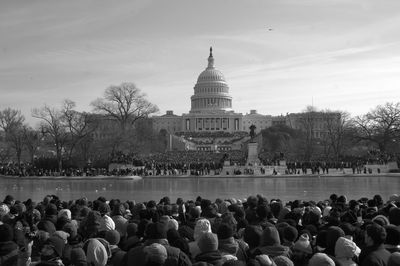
277	56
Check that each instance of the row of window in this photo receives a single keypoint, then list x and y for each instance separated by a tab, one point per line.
212	90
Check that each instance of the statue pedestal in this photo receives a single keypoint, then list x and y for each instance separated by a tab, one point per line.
252	154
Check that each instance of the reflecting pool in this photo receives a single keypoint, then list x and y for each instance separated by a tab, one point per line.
285	188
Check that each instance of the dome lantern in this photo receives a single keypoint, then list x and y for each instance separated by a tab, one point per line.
210	60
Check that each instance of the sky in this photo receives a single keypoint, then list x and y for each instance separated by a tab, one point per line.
277	57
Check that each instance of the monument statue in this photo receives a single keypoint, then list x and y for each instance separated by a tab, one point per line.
252	131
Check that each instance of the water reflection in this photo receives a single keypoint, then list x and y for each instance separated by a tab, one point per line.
289	188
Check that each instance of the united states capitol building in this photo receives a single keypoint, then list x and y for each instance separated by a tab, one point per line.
212	114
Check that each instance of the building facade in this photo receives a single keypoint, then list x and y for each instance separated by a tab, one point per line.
212	111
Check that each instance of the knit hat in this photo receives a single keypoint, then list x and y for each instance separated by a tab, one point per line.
283	261
270	236
131	229
57	243
78	257
173	224
6	233
326	211
71	229
47	226
290	233
65	213
155	254
345	248
224	231
321	259
208	242
96	253
164	219
113	237
393	235
303	244
394	259
202	226
381	220
106	223
195	212
103	208
156	231
51	209
61	234
252	235
377	233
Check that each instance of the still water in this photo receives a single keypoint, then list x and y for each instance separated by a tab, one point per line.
285	188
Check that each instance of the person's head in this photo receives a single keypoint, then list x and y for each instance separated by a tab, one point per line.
78	257
155	254
252	236
208	242
156	230
9	200
225	231
202	226
354	205
345	248
302	248
52	248
290	233
96	253
375	235
113	237
270	236
321	259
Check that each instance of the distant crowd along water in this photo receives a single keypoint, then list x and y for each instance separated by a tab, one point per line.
194	163
251	231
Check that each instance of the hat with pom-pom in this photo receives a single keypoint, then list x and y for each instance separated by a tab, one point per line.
303	244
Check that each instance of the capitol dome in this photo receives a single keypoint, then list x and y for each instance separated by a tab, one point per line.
211	92
211	75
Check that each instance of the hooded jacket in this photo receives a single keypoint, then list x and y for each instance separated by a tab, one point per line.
270	243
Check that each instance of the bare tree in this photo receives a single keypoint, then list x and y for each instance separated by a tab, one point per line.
5	154
307	121
11	121
52	124
32	140
125	103
336	125
380	126
80	125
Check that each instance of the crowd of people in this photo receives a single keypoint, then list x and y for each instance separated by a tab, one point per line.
253	231
196	163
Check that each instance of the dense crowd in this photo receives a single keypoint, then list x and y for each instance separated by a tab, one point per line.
252	231
13	169
196	163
